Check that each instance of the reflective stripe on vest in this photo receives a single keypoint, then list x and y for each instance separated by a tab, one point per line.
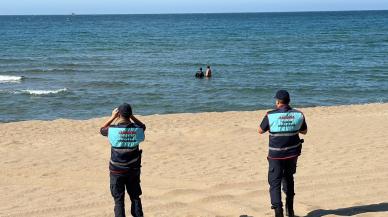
286	148
283	134
285	122
124	164
125	137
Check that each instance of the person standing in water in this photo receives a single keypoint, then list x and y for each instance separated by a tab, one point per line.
199	74
208	73
284	125
125	162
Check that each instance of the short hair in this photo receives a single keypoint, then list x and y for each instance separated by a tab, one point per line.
208	66
284	101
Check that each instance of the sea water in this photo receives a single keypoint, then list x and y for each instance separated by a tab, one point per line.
81	67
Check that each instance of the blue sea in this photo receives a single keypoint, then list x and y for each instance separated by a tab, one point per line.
81	67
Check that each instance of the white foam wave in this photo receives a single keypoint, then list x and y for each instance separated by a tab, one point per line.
44	92
10	78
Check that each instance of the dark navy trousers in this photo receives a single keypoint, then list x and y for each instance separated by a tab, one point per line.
130	182
281	172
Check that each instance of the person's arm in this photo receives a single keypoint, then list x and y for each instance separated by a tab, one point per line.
303	128
264	126
304	132
105	126
138	122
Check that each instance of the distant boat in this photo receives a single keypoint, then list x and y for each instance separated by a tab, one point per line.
73	14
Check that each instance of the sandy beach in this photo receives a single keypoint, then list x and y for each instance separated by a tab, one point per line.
198	165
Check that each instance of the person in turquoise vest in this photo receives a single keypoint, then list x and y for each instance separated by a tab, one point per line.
125	162
284	125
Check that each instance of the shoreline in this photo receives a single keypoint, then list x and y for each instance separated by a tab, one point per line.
195	113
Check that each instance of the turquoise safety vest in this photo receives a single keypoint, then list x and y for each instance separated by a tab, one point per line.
122	138
284	126
285	123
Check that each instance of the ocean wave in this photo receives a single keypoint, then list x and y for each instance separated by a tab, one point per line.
10	78
43	92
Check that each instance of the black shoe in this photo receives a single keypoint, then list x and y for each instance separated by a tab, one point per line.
136	208
279	212
290	207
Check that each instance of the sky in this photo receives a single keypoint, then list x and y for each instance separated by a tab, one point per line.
11	7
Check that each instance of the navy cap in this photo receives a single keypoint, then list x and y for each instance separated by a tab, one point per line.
282	95
125	110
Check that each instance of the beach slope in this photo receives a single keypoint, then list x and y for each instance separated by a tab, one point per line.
205	164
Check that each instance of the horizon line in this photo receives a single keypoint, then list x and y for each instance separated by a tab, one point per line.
188	13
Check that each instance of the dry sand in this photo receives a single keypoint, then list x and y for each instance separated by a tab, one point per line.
206	164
